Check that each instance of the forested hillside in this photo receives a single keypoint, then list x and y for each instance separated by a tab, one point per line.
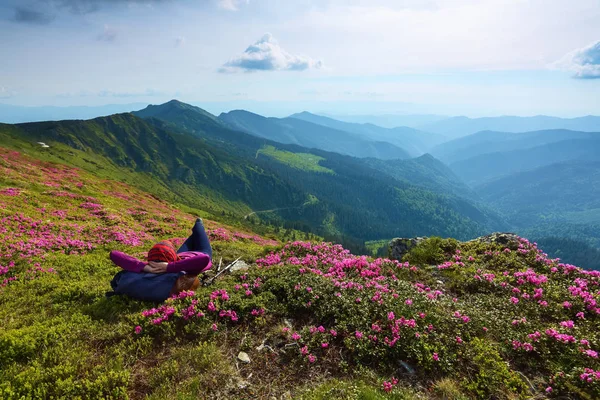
414	141
362	182
228	172
558	200
486	142
310	135
486	167
425	171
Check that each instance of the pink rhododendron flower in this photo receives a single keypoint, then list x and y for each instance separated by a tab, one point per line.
567	324
435	357
591	353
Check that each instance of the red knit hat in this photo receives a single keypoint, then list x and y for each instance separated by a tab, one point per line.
163	251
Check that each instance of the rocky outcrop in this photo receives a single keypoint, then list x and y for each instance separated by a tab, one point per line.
504	238
398	247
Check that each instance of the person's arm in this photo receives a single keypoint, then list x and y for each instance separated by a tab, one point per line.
192	265
127	262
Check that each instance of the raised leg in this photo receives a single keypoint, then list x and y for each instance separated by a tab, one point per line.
198	241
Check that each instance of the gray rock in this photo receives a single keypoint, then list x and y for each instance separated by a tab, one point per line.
239	266
242	384
243	357
400	246
503	238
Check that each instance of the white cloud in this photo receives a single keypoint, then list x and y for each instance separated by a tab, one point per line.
398	36
232	5
267	55
584	62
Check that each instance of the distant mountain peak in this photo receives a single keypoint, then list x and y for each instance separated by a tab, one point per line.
172	106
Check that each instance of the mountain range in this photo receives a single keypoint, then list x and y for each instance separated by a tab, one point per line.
310	135
348	182
200	161
456	127
415	142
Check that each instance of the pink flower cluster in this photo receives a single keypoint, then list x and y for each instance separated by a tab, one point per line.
589	375
10	191
388	386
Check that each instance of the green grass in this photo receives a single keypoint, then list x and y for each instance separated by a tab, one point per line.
378	247
301	161
62	338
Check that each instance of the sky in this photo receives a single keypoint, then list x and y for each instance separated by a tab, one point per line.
276	57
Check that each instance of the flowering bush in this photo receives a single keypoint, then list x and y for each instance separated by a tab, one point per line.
443	319
473	319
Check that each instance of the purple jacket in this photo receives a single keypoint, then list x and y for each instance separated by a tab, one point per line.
191	262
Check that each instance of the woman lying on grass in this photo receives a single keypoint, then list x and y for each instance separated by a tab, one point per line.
167	271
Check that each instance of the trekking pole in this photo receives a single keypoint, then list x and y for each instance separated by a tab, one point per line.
211	280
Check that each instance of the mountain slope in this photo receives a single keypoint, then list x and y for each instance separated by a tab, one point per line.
425	171
310	135
358	188
132	143
392	120
567	186
304	316
479	169
562	189
456	127
175	110
558	205
414	141
355	200
492	142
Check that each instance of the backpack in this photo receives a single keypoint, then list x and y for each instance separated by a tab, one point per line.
144	285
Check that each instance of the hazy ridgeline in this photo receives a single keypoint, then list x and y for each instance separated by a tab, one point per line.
353	182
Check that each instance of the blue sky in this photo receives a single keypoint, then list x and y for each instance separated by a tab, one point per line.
275	57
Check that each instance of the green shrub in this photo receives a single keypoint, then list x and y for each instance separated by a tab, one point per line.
489	375
432	251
